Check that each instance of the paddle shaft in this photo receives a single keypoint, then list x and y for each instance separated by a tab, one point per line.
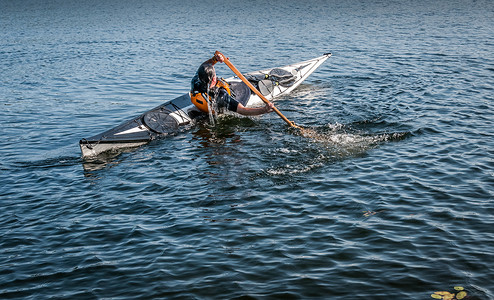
253	88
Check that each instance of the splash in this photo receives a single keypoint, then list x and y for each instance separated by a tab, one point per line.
323	145
343	142
212	109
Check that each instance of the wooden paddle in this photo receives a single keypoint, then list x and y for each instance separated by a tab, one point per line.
237	72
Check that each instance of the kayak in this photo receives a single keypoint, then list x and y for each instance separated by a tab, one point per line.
173	115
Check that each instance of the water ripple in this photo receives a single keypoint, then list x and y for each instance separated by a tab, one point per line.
388	194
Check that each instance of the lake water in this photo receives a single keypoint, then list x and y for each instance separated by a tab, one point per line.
394	200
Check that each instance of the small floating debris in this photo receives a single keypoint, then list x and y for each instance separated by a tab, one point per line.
368	213
458	294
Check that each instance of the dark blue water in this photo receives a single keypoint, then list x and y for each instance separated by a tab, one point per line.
392	199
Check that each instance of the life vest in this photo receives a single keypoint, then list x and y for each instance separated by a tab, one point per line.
199	99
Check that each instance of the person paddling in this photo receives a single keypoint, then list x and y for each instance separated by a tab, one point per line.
206	88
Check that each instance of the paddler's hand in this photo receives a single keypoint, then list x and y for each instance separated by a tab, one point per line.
269	107
219	57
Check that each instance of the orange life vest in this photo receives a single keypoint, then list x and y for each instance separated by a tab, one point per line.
199	99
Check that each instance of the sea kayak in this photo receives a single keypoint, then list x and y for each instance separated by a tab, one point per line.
171	116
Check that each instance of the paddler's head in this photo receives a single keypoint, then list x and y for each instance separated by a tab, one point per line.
207	75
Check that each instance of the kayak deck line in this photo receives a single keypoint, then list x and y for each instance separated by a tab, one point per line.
132	130
171	116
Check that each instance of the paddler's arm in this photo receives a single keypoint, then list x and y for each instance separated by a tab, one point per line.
246	111
216	58
254	111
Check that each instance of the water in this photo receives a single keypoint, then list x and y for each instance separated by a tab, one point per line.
391	198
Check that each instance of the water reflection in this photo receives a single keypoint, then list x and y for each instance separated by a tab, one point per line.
217	139
104	160
221	146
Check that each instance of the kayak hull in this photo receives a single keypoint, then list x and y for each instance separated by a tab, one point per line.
172	116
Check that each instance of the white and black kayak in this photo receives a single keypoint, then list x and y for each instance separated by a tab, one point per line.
170	116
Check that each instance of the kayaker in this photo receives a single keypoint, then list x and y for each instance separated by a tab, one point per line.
205	83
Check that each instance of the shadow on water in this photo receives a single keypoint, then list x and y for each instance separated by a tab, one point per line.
48	163
292	152
208	135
